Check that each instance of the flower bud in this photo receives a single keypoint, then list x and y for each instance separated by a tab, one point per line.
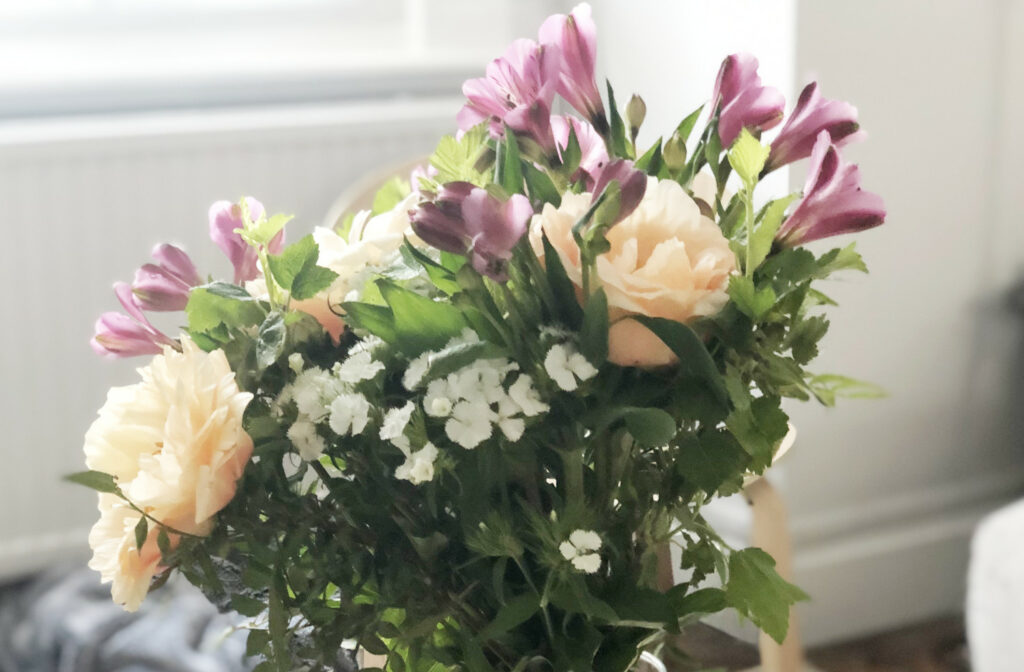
674	152
636	112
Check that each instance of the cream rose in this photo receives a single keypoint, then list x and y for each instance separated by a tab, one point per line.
176	447
666	260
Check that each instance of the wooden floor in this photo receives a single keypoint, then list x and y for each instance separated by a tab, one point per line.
937	646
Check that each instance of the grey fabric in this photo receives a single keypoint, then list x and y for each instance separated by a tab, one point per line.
64	621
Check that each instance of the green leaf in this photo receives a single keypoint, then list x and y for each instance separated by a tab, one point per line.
804	336
686	125
752	302
651	161
257	641
265	229
542	189
562	286
516	611
217	303
420	323
759	428
757	591
163	541
378	320
764	234
703	601
694	359
509	171
312	280
594	333
286	266
442	278
619	147
271	339
572	154
747	156
845	259
643	608
452	358
248	606
456	160
829	387
96	480
390	194
141	532
651	427
710	459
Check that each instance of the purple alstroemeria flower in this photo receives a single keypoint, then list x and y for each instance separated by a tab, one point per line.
121	335
465	219
165	285
517	90
632	184
225	217
742	101
833	201
812	115
593	152
575	37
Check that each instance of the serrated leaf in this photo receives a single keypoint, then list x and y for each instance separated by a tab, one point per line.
694	359
764	233
651	427
456	160
594	332
710	459
747	156
312	280
829	387
221	303
289	263
270	341
757	591
389	195
840	259
759	428
752	302
96	480
141	532
804	336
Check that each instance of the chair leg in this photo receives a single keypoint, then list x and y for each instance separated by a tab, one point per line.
771	534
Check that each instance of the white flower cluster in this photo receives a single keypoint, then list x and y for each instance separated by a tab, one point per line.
419	464
567	366
474	398
581	549
329	396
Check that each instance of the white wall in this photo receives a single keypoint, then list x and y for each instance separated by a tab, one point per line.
884	494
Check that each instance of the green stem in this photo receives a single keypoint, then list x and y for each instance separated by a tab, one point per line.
572	463
748	202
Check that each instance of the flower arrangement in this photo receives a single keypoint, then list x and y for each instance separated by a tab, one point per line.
456	430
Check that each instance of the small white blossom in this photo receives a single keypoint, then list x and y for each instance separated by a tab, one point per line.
470	424
565	365
369	343
525	395
438	400
349	414
415	371
304	437
581	550
395	421
313	391
295	362
419	466
512	427
359	367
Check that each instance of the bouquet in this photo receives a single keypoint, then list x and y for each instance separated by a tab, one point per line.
457	430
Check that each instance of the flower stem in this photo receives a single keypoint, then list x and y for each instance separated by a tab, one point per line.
748	201
572	463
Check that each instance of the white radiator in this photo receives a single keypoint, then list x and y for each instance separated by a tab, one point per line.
83	203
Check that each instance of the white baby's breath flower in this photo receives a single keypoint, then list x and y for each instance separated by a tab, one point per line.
395	422
304	437
437	402
419	466
470	424
525	395
581	550
567	366
313	391
349	414
359	367
295	362
511	426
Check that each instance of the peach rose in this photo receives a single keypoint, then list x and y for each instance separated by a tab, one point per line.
175	445
666	260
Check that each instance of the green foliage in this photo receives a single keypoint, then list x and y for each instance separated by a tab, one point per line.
757	591
390	195
458	160
296	270
95	480
747	156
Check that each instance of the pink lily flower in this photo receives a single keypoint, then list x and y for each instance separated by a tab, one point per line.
632	184
812	115
121	335
575	36
165	285
594	153
518	90
741	100
225	217
833	201
465	219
